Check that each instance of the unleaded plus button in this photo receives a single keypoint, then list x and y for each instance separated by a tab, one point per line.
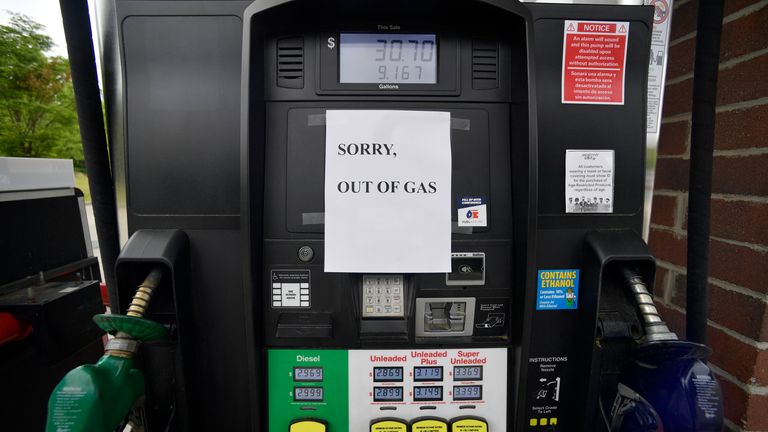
429	424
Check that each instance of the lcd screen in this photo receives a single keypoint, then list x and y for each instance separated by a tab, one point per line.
387	394
307	374
467	373
462	393
369	58
387	374
428	373
308	394
426	394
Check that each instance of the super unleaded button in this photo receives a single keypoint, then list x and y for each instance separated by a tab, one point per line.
307	425
389	425
429	424
469	424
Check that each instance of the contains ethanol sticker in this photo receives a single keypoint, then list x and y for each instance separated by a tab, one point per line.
557	289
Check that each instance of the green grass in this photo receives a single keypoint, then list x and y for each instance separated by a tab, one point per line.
81	182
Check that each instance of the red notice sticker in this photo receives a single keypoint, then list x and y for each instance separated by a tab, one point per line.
594	60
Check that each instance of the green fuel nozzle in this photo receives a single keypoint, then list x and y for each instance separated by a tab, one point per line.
98	397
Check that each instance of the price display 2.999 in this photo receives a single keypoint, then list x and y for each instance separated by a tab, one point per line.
308	394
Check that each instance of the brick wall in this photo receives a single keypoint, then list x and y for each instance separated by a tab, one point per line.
738	283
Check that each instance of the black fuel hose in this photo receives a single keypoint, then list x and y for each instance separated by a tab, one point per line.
82	62
709	29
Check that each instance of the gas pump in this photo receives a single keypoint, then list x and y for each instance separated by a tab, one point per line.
230	121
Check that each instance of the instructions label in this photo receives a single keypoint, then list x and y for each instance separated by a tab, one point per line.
472	211
387	191
589	178
557	289
545	383
594	59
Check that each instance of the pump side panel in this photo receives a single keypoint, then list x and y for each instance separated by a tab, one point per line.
556	378
180	155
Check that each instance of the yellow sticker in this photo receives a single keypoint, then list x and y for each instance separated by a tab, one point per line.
388	426
307	426
429	425
469	425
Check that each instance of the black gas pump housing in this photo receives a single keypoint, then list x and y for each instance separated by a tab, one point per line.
207	136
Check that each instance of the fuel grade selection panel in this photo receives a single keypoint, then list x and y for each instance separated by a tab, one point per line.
444	383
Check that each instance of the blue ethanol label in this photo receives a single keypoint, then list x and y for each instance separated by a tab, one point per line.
557	289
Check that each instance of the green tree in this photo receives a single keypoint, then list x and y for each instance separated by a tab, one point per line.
38	117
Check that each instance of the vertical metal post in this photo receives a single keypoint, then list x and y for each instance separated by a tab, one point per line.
710	24
82	61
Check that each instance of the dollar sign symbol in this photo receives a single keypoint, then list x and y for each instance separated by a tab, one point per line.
331	42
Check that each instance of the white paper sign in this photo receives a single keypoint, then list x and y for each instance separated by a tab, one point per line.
387	191
589	181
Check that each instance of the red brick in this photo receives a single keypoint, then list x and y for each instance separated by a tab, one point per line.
675	320
685	16
738	312
757	407
684	19
680	58
738	265
739	220
740	129
761	366
678	288
744	35
734	401
732	6
663	210
672	174
740	175
659	283
677	98
667	246
673	139
732	355
742	82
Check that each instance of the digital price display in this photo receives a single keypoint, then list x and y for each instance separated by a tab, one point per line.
308	394
472	392
307	374
387	394
426	394
388	374
370	58
467	373
428	373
